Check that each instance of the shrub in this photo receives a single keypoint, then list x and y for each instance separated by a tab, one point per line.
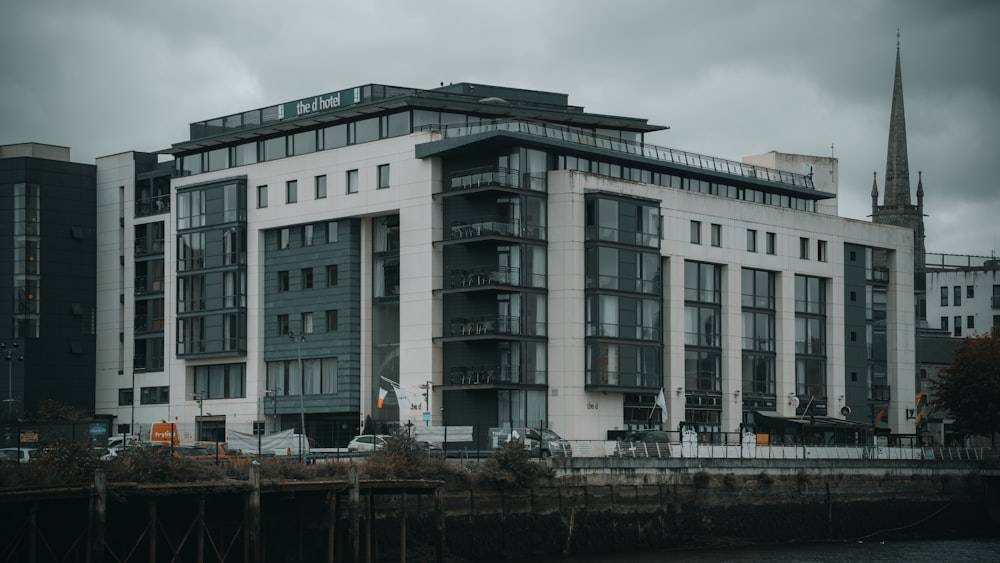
764	479
702	480
511	465
404	458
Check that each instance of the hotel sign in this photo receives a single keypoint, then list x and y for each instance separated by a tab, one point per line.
321	103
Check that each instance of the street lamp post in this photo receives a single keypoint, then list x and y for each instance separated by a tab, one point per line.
302	389
12	353
200	397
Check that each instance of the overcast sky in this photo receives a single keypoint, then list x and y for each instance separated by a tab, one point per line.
730	78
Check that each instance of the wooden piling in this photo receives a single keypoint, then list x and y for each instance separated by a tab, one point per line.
354	506
255	548
98	515
402	528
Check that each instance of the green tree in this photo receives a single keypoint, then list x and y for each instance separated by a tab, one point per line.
969	388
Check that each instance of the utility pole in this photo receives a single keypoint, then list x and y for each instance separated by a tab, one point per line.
302	390
13	353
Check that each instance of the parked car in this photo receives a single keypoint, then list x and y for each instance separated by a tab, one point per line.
367	443
645	443
23	455
543	443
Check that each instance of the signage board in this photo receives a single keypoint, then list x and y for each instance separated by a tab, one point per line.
321	103
443	433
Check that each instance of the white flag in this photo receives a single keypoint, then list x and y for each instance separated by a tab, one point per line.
661	402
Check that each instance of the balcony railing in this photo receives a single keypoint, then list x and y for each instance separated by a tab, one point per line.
487	374
152	206
497	177
645	150
483	275
494	225
501	324
880	393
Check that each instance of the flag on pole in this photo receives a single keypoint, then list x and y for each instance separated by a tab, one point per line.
661	402
381	395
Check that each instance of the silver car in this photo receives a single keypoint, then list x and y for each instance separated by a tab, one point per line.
367	443
546	443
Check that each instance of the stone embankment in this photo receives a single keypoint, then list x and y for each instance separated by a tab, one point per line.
592	506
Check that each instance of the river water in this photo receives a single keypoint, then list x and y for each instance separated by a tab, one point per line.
920	551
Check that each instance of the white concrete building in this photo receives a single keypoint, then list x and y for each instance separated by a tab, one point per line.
492	257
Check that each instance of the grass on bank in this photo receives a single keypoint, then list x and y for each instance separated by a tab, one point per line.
72	464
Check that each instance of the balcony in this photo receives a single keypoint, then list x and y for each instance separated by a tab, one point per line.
880	393
495	325
491	176
494	374
663	154
152	206
493	225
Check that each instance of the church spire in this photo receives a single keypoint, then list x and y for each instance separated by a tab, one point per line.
874	192
897	173
920	190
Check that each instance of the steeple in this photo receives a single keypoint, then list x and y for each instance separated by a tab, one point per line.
896	208
920	190
897	169
874	192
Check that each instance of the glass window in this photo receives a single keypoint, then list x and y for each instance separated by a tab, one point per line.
772	243
274	148
970	321
958	295
958	325
285	236
366	130
303	143
307	235
716	235
944	296
383	176
307	323
246	154
970	292
751	240
944	323
695	232
352	181
331	275
282	325
423	118
283	281
321	186
398	124
307	278
804	248
191	164
218	159
331	320
821	250
335	137
331	232
291	191
261	196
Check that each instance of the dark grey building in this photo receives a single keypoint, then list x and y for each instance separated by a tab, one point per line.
48	275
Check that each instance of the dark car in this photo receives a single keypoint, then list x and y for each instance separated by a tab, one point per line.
645	443
543	443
